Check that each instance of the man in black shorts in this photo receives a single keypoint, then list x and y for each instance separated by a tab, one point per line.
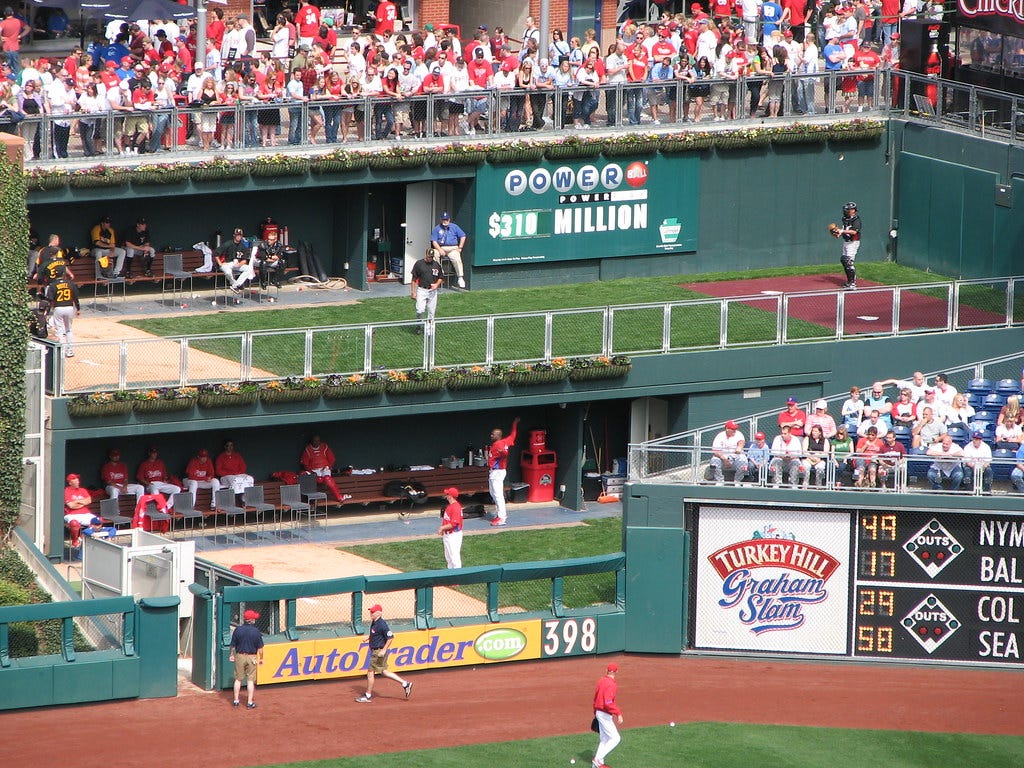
426	280
381	637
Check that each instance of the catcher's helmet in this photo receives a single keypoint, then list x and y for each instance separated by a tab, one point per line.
850	206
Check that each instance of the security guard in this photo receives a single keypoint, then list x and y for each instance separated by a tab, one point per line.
849	233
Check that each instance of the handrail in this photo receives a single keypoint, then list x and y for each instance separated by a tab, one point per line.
267	354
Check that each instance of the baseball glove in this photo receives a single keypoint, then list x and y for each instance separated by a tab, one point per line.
833	229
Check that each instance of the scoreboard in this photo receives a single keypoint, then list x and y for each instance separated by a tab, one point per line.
938	586
933	585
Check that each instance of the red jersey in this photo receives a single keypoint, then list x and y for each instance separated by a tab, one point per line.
308	20
453	516
870	447
151	472
317	457
637	70
796	419
432	84
497	454
385	15
663	48
10	30
797	11
143	97
604	696
76	494
721	9
868	60
230	464
891	11
114	473
200	469
690	40
215	32
141	520
479	71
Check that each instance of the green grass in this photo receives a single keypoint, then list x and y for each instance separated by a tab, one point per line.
595	537
719	745
515	338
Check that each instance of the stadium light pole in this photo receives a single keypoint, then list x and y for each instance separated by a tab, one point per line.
545	23
200	35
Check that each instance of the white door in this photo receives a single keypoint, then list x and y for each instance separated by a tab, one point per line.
648	419
419	221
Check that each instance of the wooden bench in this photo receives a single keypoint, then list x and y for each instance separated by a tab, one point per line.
84	269
363	489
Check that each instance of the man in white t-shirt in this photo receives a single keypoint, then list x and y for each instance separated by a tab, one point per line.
786	454
728	453
978	459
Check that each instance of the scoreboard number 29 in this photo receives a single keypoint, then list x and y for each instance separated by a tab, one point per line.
570	637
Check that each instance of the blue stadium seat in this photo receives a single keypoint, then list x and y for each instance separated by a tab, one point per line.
959	434
984	414
917	464
974	399
987	429
1007	387
1002	471
981	386
903	435
994	401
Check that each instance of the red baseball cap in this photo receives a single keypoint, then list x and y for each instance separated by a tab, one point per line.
375	608
731	425
71	477
451	492
613	667
759	436
250	615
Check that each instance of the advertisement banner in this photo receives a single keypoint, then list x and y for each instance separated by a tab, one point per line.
775	584
327	658
586	209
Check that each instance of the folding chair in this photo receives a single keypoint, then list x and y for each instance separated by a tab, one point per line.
174	271
158	517
252	499
224	504
313	496
291	501
110	509
109	284
184	507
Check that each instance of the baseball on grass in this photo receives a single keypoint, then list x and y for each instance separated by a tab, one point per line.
671	725
572	761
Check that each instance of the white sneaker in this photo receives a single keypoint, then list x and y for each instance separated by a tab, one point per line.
462	282
656	122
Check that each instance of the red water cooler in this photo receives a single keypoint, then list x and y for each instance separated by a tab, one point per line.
538	467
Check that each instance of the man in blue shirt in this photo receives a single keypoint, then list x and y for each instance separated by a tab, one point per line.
380	641
246	652
771	15
759	455
448	238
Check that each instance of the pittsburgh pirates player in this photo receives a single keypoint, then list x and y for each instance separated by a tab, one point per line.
849	233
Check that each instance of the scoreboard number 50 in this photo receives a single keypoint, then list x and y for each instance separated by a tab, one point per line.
568	637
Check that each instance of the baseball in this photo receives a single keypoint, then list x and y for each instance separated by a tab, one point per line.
671	725
213	303
572	761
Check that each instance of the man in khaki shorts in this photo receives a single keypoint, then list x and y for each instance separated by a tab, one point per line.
247	653
381	638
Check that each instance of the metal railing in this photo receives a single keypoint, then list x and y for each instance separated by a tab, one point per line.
915	472
697	324
481	113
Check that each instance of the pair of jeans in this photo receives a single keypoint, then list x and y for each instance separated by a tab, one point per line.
588	106
295	125
160	122
634	101
332	120
87	129
61	135
383	120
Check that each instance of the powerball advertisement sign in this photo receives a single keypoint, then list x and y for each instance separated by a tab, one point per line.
589	209
772	580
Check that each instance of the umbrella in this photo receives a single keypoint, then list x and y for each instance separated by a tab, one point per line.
133	10
81	8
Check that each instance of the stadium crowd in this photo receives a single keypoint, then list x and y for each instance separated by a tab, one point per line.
959	439
313	83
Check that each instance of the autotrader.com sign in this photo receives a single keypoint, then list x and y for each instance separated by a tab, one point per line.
586	210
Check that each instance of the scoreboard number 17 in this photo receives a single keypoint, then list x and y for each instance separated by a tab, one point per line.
569	637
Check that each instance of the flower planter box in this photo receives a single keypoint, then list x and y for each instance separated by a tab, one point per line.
113	408
413	387
227	399
295	167
517	155
357	161
164	406
238	171
86	181
330	165
475	382
449	159
596	373
50	181
349	391
382	162
528	378
868	133
168	176
621	149
799	137
574	150
303	395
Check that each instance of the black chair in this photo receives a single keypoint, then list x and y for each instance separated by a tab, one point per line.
184	507
252	498
110	509
313	496
224	504
109	284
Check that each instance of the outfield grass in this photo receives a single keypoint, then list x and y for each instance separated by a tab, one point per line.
720	745
595	537
515	338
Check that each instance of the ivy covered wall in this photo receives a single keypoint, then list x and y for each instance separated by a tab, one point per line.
13	333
